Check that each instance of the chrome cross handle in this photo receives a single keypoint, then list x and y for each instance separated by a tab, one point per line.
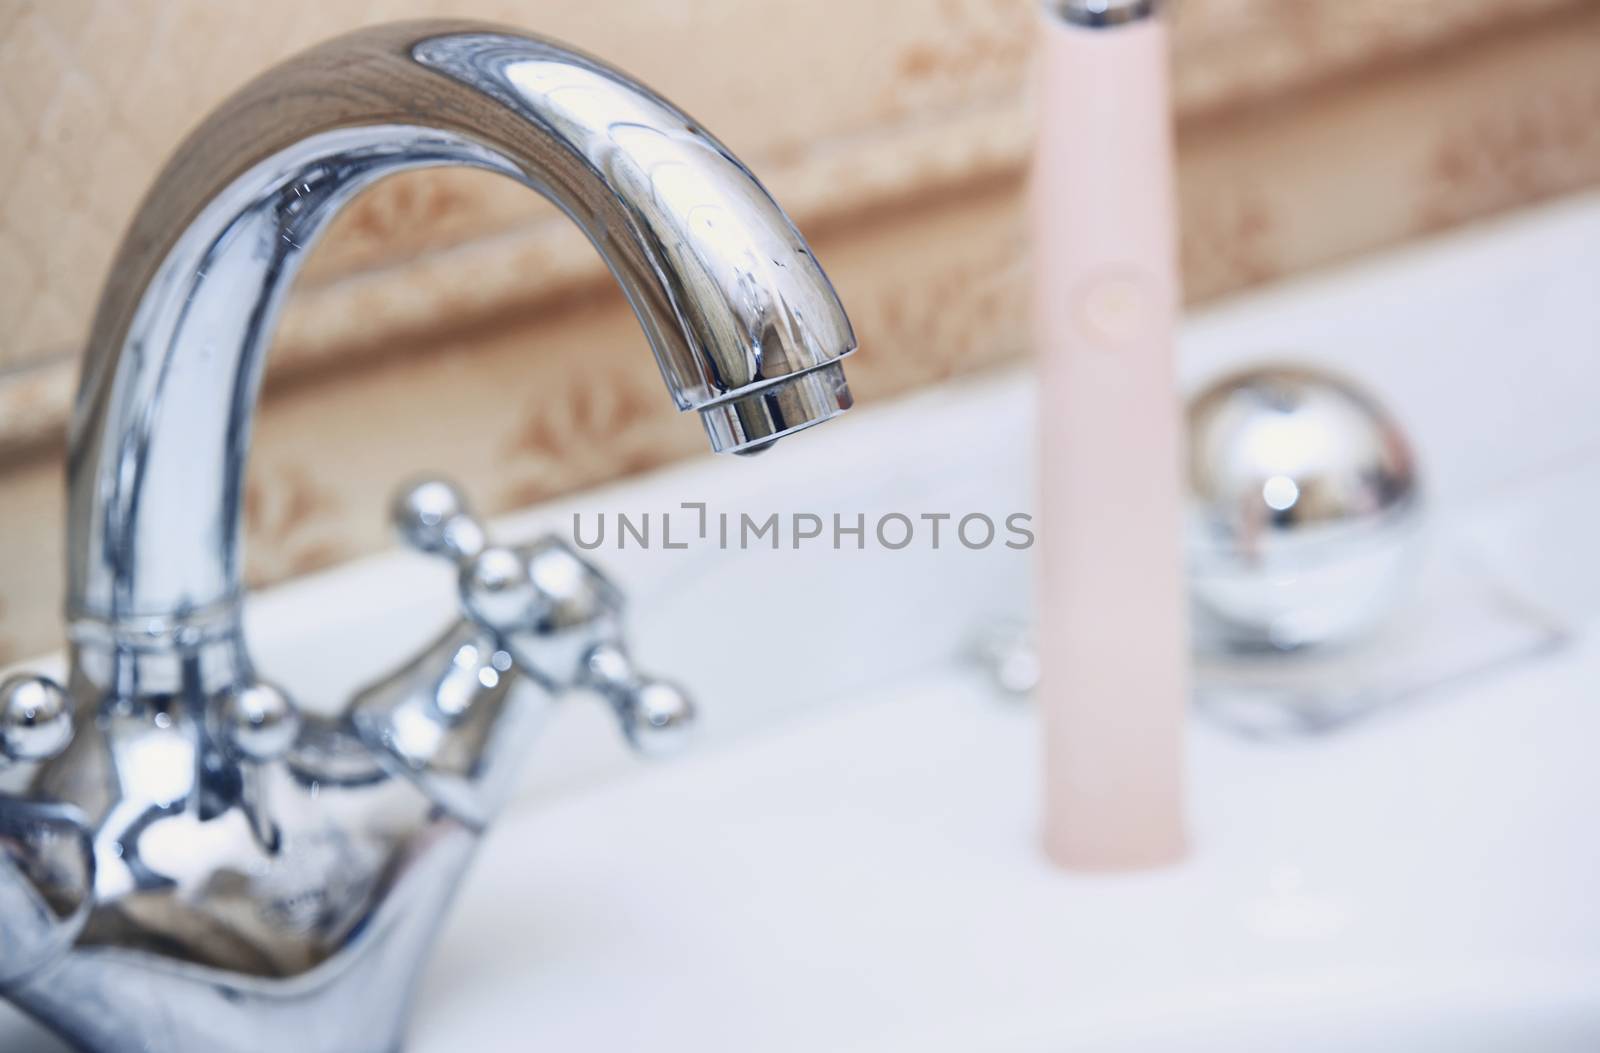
536	613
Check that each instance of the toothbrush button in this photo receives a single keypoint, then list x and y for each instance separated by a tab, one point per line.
1115	308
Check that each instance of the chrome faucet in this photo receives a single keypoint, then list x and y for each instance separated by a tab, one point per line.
187	860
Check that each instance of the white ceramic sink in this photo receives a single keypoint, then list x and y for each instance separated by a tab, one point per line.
867	879
848	861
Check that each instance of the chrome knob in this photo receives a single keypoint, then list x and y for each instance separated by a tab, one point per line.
655	715
257	721
432	516
35	719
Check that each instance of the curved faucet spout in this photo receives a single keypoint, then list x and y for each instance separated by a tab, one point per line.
743	322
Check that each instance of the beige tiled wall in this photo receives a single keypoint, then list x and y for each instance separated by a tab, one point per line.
451	321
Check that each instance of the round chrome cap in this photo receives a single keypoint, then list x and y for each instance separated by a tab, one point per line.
1304	503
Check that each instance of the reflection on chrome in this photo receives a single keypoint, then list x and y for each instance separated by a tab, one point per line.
187	860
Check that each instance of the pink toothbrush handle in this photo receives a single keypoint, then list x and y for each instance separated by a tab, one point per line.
1112	627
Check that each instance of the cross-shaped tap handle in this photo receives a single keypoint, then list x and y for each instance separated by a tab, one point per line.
553	611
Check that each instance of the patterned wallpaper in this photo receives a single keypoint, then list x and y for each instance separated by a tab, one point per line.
898	98
1310	130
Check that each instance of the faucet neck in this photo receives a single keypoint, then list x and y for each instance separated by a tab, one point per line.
742	321
168	394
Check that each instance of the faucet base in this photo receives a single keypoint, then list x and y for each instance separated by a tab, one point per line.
124	999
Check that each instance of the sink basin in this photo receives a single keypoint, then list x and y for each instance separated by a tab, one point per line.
868	879
849	861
